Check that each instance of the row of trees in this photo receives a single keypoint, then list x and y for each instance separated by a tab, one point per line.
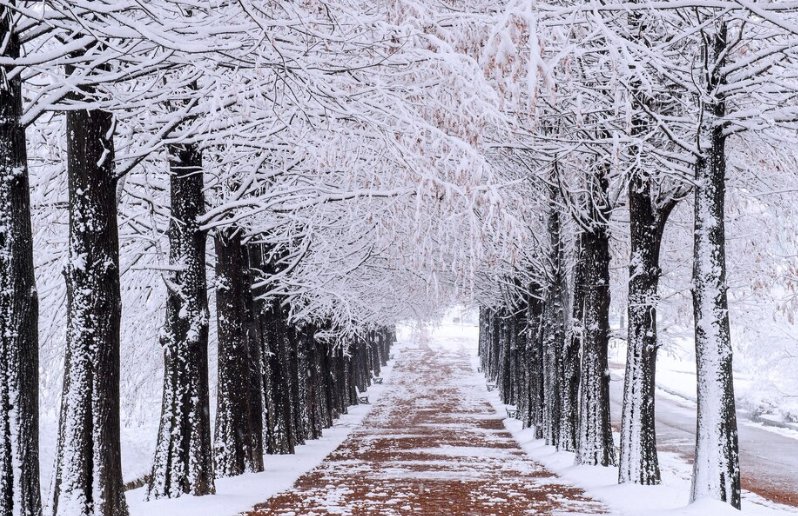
642	107
352	164
143	88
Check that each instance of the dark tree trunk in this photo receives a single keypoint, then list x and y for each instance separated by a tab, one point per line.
330	411
183	461
553	335
539	379
569	414
19	304
534	365
595	444
302	415
716	470
276	376
341	380
484	333
262	327
522	364
350	369
505	369
496	346
88	471
254	338
234	435
638	452
315	391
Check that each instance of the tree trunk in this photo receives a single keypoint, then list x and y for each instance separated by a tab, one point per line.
254	338
595	444
638	453
233	435
88	471
571	368
539	379
279	438
183	461
302	415
315	390
716	470
19	305
533	365
522	363
553	326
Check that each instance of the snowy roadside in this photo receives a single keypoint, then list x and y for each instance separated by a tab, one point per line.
676	380
237	494
668	498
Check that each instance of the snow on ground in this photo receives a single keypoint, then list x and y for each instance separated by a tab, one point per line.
762	389
669	498
675	379
237	494
454	457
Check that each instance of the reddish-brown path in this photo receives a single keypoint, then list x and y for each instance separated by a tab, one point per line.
432	445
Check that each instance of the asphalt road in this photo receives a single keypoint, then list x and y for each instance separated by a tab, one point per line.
768	460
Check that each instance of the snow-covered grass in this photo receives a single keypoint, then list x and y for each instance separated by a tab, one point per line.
237	494
759	403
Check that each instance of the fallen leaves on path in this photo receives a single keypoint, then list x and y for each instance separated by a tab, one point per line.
432	445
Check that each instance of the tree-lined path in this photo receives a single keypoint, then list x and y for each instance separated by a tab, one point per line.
432	444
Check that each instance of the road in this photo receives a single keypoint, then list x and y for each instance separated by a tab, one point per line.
768	460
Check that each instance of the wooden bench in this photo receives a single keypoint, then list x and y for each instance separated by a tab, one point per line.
363	399
490	386
378	379
512	412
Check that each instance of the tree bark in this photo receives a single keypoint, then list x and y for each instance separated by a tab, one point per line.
19	304
553	330
716	470
595	445
276	374
638	451
234	435
254	338
534	367
88	471
183	461
571	367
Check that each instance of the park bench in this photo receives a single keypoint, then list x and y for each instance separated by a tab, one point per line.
512	412
378	379
490	386
363	399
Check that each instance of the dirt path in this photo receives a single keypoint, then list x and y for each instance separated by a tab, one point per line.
432	445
